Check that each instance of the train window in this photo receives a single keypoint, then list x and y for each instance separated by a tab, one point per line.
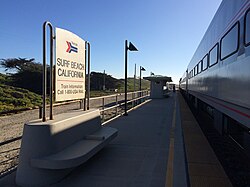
247	28
199	67
205	63
195	72
213	55
229	43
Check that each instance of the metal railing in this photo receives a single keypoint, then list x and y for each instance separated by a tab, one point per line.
110	106
9	154
117	108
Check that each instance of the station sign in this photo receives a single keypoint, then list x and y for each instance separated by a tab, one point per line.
69	66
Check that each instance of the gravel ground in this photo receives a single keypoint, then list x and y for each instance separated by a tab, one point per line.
11	127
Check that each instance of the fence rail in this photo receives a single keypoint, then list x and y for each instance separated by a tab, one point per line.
110	107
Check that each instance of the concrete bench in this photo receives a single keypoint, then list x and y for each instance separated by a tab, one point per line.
50	150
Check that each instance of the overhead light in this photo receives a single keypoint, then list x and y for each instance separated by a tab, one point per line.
132	47
143	69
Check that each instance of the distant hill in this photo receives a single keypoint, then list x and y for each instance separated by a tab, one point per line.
145	84
111	83
97	81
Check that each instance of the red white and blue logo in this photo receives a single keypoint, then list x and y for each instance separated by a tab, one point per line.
72	47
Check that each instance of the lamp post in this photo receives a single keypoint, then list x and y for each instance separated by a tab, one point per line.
141	69
133	96
131	47
134	77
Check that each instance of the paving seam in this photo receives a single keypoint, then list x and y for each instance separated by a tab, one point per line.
183	143
170	165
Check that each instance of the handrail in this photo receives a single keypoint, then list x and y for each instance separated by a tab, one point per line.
92	98
120	104
103	109
113	95
11	154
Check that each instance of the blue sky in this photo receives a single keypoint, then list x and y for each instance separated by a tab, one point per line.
166	32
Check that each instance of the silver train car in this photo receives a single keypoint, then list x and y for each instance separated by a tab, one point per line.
219	71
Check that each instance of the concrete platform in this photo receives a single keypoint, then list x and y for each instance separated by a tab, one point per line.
150	151
204	169
139	154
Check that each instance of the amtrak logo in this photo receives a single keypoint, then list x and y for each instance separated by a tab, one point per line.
72	47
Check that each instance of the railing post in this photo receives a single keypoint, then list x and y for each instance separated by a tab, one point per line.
40	112
103	103
133	100
81	103
84	104
137	100
116	103
143	96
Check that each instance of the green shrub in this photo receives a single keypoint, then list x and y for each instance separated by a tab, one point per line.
17	94
12	98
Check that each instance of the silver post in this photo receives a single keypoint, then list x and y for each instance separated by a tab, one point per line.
88	75
84	100
51	71
40	112
116	102
103	103
45	70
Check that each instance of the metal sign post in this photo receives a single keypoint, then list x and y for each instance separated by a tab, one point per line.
70	67
88	94
84	100
45	70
